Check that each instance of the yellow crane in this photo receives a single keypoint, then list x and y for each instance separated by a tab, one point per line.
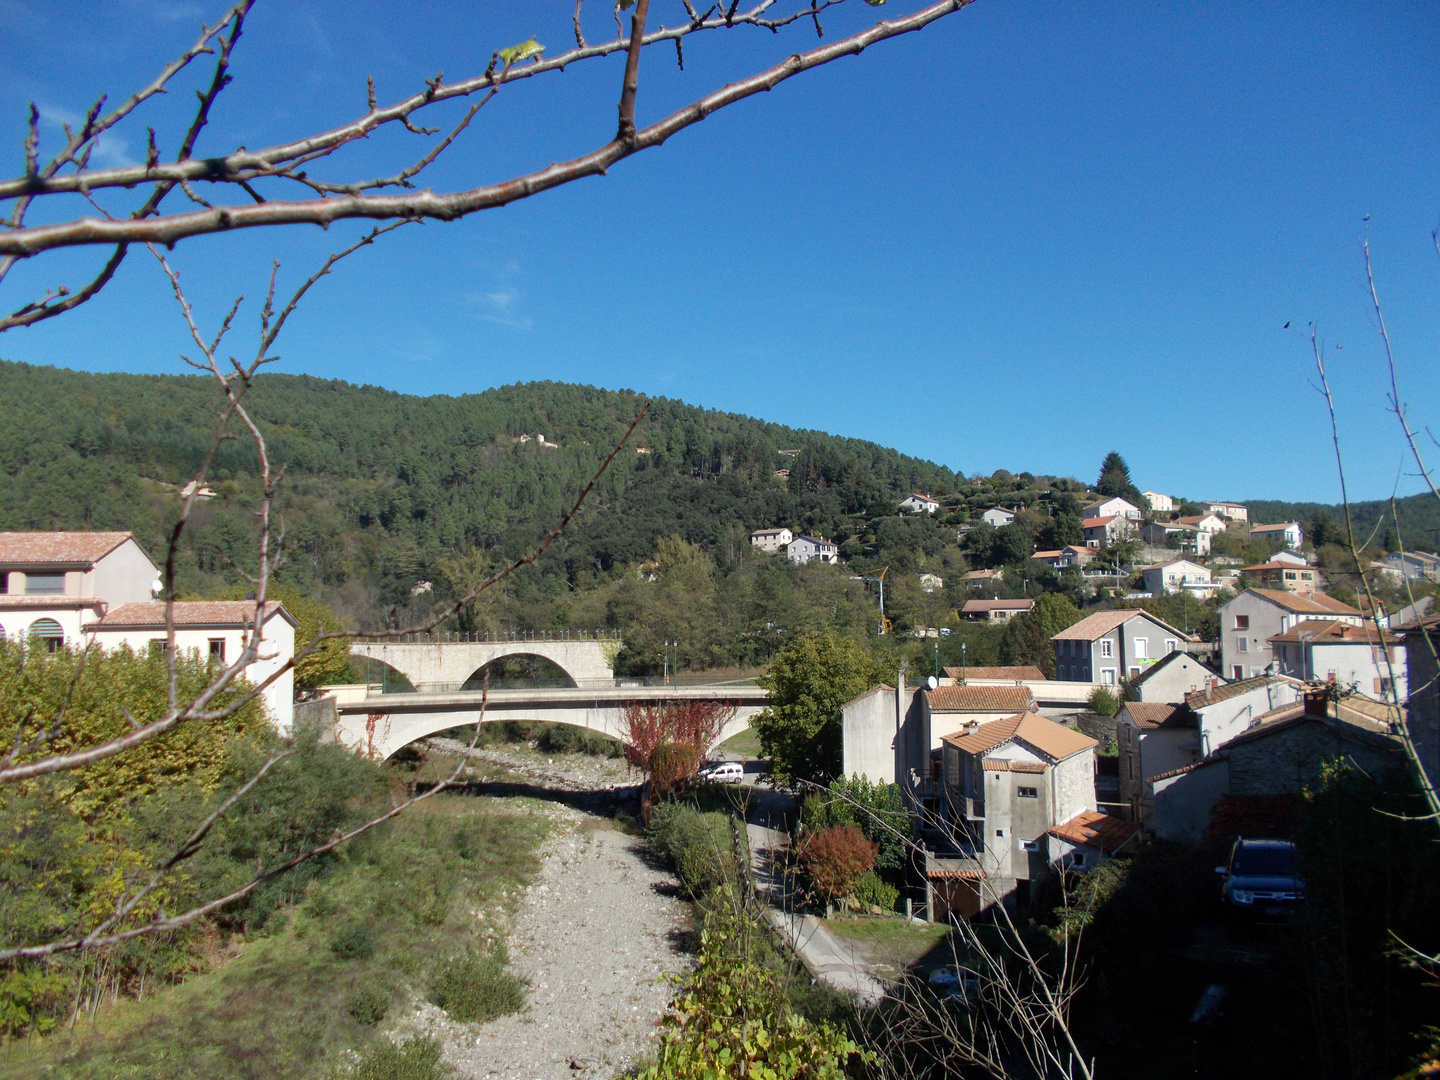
879	577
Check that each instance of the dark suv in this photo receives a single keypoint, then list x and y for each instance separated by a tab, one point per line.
1260	879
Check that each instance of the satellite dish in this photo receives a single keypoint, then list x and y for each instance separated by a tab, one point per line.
156	588
932	682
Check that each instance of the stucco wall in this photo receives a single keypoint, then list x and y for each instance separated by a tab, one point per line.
1183	803
868	740
1074	786
122	577
1173	681
1288	760
1223	720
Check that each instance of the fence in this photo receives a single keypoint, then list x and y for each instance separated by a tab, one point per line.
500	637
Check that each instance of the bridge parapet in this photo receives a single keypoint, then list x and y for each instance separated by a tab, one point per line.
451	659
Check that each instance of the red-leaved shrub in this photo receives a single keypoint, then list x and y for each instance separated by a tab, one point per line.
835	859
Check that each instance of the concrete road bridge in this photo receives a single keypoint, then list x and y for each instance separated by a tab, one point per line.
379	724
451	660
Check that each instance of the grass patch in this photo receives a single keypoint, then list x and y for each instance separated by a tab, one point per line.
893	943
294	1001
414	1059
746	742
473	986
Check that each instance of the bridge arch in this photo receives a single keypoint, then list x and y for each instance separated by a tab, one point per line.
520	670
447	662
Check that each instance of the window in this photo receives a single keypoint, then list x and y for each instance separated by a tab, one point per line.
1028	792
1142	648
1242	644
4	581
1237	672
1079	858
1242	622
1030	845
48	633
999	832
1290	575
217	648
1170	645
45	584
1107	676
1107	648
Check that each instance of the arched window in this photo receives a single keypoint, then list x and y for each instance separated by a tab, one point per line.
48	632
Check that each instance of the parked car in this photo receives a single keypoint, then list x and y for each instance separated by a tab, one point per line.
957	984
1261	879
723	772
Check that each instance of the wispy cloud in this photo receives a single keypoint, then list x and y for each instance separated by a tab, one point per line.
501	307
111	151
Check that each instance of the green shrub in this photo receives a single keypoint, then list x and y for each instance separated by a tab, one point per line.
876	807
369	1003
871	891
569	739
414	1059
473	986
700	846
1104	701
353	942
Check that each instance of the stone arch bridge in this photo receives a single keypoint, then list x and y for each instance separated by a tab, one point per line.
446	661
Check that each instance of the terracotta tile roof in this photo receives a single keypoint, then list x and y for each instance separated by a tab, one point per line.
1153	715
1317	604
1044	735
1198	699
62	548
151	615
1102	622
1274	528
995	765
18	603
997	605
1096	522
1096	830
965	875
980	699
1328	631
1015	674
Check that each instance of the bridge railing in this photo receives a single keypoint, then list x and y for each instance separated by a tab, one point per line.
498	637
376	690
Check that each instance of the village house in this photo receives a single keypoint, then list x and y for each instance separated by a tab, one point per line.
870	728
804	549
1413	565
1070	555
948	710
215	629
1170	678
52	583
1228	510
930	582
1104	531
919	504
1160	504
1158	534
1248	622
1278	574
1115	507
994	676
771	541
1270	765
1364	657
1288	533
1224	709
994	610
1207	523
979	579
1112	645
1176	576
1007	785
998	516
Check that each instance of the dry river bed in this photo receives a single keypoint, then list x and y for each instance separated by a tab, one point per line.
595	935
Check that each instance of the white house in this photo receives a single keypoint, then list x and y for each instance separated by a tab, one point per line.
1364	657
771	540
1289	558
804	549
1104	531
1176	576
1228	510
1414	565
930	582
1248	622
1116	507
1172	677
1159	503
1288	533
212	628
52	583
1209	523
994	610
1158	534
1070	555
919	504
998	516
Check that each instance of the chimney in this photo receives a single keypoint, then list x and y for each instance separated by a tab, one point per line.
1317	703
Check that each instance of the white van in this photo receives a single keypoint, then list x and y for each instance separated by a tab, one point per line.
724	772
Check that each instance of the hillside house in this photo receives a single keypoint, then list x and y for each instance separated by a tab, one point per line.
805	549
1228	510
979	579
994	610
1114	507
1413	565
1288	533
948	710
218	629
771	541
998	516
1248	622
1170	678
1177	576
1160	504
1208	523
869	735
1275	574
1070	555
1224	709
1187	537
1006	785
1104	531
931	582
1112	645
53	583
1364	657
1152	738
919	504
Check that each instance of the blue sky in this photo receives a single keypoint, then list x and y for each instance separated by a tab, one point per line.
1028	235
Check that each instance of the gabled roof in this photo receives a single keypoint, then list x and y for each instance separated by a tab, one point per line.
1161	664
1271	566
1092	829
883	687
1194	519
1316	604
1330	632
1154	715
1198	699
1034	730
1096	626
980	699
59	548
997	605
1097	522
151	614
1177	562
814	540
1018	674
1274	528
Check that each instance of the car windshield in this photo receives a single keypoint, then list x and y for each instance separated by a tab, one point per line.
1264	862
